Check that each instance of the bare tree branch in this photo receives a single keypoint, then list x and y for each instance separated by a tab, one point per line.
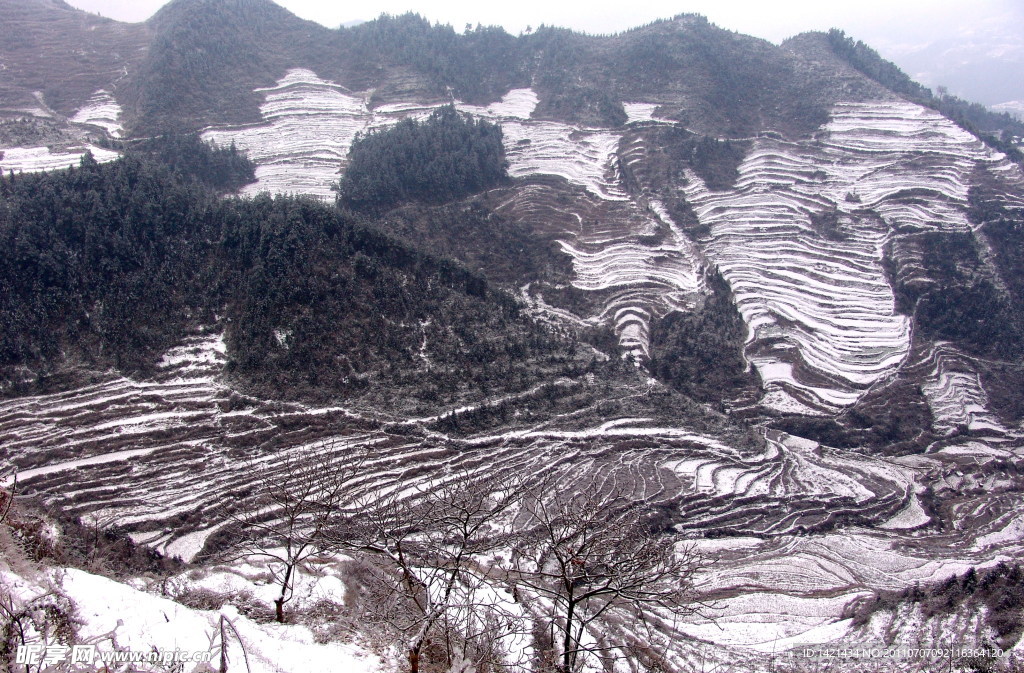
587	555
429	542
287	521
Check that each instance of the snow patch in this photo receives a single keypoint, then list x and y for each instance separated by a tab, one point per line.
36	159
142	622
101	110
640	112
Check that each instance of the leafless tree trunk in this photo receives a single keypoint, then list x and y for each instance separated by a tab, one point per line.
289	518
428	544
590	554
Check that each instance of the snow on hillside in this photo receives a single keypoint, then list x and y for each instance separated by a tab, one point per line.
165	457
955	394
516	104
635	256
116	618
581	156
803	529
101	110
639	112
35	159
161	456
676	463
823	305
819	308
309	124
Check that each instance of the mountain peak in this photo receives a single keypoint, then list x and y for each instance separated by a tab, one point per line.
245	11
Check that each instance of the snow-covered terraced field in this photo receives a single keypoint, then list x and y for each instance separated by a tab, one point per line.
955	394
795	527
639	112
101	110
631	253
516	104
633	257
820	313
797	530
164	456
166	436
584	157
167	459
819	308
309	124
36	159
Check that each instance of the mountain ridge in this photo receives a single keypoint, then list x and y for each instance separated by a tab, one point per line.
222	66
181	72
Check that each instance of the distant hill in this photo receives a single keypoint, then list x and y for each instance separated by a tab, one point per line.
64	54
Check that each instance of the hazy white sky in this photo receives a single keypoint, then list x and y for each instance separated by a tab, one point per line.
935	41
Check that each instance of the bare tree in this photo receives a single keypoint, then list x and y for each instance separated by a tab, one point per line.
429	544
288	520
588	556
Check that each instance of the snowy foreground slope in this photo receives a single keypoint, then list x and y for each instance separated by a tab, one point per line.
118	620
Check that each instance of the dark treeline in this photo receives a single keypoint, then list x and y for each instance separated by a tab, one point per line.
701	353
561	57
223	169
483	63
1003	229
324	304
715	161
445	157
868	61
972	116
963	304
29	132
109	265
207	57
893	420
584	78
505	250
478	65
102	262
